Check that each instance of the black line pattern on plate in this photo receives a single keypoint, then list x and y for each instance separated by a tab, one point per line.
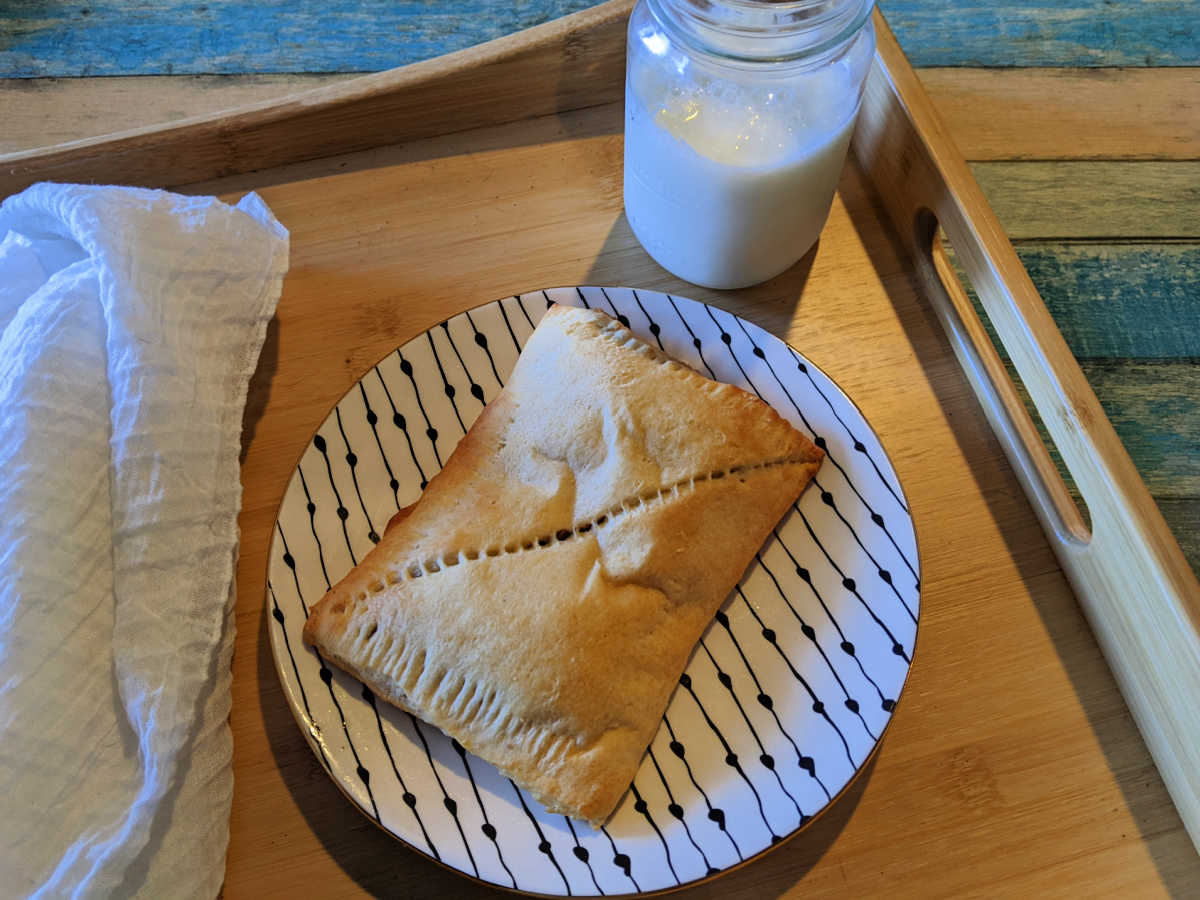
807	763
448	802
811	633
447	387
352	462
373	421
507	324
364	775
484	332
641	807
402	423
621	317
881	523
818	706
859	446
326	674
850	585
767	760
580	852
731	758
342	513
525	312
488	829
290	562
543	844
847	647
715	814
727	339
277	615
409	798
476	389
676	811
655	328
885	575
847	582
312	523
430	432
696	342
481	341
621	860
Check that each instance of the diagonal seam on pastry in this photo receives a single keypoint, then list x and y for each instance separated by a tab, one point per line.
541	599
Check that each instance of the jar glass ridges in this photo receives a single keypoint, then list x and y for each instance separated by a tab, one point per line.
738	114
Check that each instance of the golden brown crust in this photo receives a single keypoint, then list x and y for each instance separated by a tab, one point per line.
542	597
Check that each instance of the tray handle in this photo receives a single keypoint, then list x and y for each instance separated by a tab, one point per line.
1132	581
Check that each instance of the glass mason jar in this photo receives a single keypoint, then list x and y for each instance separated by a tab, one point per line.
738	114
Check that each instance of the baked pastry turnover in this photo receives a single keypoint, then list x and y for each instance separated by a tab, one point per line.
540	600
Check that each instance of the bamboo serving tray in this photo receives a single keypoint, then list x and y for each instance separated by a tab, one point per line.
1014	766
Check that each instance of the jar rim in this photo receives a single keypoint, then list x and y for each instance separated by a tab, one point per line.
765	31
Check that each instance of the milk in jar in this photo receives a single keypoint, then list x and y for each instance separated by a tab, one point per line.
738	115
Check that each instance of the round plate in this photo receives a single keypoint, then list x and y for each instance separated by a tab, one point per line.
782	702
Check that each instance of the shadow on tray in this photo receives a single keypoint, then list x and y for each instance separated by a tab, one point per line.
1060	616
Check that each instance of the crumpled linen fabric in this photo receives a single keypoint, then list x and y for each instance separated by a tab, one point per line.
130	323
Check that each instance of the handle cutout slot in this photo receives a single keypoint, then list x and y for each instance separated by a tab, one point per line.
1007	403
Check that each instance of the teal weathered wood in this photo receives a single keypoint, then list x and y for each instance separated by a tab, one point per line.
165	37
1131	315
1152	405
1116	301
1046	32
1121	300
1146	200
1182	516
221	37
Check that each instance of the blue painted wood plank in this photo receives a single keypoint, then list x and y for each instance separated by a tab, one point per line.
41	38
1154	406
1116	301
1182	516
220	37
1121	300
1046	32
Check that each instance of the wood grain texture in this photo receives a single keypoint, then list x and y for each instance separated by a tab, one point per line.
1182	514
1121	300
1132	580
1046	32
994	114
575	61
1098	200
1152	406
71	38
1058	113
39	112
1012	766
220	37
1127	313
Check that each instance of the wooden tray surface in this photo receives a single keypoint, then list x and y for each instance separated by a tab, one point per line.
1013	766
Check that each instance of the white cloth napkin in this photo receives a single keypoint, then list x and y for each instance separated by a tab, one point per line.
131	323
